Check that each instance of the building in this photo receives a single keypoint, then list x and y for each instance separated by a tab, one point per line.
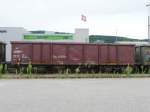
8	34
46	36
81	35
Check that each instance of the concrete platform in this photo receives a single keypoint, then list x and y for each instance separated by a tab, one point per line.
75	95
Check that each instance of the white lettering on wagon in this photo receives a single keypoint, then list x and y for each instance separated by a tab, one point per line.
19	54
59	57
17	51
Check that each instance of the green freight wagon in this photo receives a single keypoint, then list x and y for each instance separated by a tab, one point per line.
143	55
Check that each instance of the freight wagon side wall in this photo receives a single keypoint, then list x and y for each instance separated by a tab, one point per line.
126	54
116	54
55	53
59	54
75	54
72	54
91	54
108	55
36	53
41	53
21	52
46	53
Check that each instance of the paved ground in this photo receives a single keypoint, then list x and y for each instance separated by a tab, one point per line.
75	95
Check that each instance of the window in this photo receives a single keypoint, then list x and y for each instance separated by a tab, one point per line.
3	31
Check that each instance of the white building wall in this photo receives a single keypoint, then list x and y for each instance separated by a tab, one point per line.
8	34
81	35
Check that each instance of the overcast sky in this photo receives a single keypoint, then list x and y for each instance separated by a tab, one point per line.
104	17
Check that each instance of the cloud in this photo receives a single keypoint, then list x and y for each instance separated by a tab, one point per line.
103	16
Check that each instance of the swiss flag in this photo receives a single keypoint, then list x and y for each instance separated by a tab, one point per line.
83	18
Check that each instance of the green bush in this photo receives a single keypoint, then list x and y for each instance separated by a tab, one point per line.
29	68
128	70
5	69
67	71
148	70
77	70
35	69
1	68
142	68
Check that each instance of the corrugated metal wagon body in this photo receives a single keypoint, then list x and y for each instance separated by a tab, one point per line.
90	54
107	55
46	53
75	54
72	53
126	54
59	54
116	54
21	52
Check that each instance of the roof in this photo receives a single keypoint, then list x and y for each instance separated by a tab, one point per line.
30	42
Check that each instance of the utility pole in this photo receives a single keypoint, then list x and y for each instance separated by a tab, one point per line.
116	34
148	6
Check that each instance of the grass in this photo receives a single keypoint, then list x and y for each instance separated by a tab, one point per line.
127	73
31	72
64	76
